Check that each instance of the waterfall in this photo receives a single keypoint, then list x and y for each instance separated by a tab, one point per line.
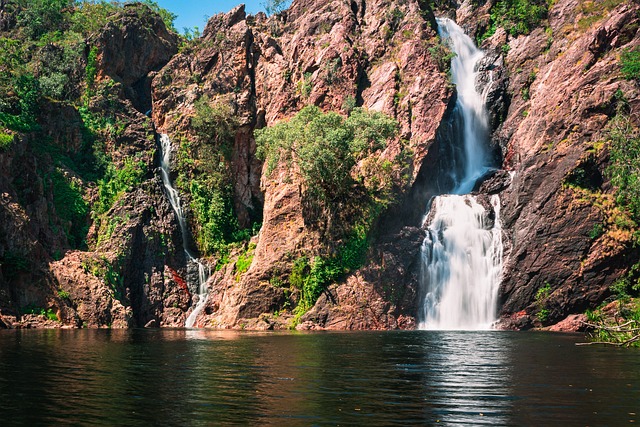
461	263
462	252
174	200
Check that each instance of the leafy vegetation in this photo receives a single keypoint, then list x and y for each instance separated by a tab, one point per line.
516	16
324	148
205	176
624	169
117	181
620	329
630	64
442	55
542	295
5	141
71	208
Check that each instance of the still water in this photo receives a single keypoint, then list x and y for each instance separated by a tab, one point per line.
199	377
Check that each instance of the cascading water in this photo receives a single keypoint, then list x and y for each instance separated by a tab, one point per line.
462	253
174	200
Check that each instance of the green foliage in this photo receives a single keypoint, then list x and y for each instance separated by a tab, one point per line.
71	208
324	147
216	222
596	231
215	125
542	295
630	64
167	17
6	140
516	16
50	315
205	174
244	261
442	54
117	181
92	15
629	285
62	294
23	119
305	86
621	329
624	169
39	17
91	70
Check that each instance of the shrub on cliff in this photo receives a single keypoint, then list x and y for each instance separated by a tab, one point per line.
624	169
516	16
205	174
630	64
323	149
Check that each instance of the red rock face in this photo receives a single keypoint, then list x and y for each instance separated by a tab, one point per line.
373	53
570	80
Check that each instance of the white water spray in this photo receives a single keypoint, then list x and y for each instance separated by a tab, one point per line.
462	264
462	253
174	200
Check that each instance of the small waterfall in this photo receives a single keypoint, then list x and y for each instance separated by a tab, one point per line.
174	199
462	253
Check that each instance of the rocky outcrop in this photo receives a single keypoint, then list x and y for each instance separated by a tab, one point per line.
564	90
131	48
383	295
369	53
126	270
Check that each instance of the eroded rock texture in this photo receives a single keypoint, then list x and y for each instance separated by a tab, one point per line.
369	53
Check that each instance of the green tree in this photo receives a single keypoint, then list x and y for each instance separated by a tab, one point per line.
38	17
324	147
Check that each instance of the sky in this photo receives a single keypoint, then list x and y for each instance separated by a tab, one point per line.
194	13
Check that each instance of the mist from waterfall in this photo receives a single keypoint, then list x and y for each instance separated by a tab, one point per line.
174	200
462	252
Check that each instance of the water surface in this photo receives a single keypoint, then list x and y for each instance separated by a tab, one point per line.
199	377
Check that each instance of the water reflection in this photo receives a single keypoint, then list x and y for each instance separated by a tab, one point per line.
187	377
468	379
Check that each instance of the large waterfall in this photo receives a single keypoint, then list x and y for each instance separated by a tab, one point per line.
174	199
462	253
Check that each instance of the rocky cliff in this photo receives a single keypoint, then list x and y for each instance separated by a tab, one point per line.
566	247
553	88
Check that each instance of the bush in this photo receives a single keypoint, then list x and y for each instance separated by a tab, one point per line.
38	17
215	125
516	16
216	222
27	89
6	140
624	169
71	208
630	64
117	181
324	147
